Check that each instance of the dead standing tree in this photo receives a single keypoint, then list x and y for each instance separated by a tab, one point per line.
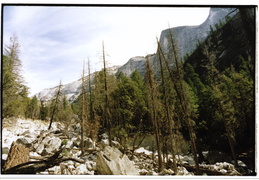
178	83
166	106
153	110
91	111
106	108
83	116
58	95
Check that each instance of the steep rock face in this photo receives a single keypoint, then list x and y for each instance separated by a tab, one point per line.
134	63
227	44
188	36
71	90
137	63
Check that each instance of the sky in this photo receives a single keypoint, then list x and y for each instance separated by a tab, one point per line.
55	40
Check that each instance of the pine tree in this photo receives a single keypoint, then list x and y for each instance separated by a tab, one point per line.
44	111
55	107
14	89
33	109
224	103
65	114
140	102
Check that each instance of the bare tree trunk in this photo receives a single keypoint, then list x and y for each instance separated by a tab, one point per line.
90	93
55	105
168	114
83	110
154	115
106	113
178	85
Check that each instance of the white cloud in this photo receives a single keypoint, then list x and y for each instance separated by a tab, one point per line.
55	40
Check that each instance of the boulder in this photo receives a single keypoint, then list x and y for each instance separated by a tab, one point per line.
27	132
111	161
77	128
48	145
69	144
5	150
89	143
52	145
55	170
4	157
116	144
89	165
39	148
104	136
76	142
104	142
182	171
143	172
27	142
81	169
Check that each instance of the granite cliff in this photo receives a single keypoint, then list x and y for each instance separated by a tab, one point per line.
187	37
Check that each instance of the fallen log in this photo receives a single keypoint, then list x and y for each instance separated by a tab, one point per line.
32	167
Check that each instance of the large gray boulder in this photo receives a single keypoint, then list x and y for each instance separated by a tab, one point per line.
111	161
25	141
52	145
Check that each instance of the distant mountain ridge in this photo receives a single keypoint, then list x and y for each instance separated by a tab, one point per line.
187	37
71	90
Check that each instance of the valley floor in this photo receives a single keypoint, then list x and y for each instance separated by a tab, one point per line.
43	143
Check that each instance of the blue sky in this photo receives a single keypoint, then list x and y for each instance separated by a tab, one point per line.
55	40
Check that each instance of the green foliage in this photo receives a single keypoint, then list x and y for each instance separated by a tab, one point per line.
227	18
33	109
211	29
14	90
65	152
193	80
44	111
128	105
64	142
226	100
98	92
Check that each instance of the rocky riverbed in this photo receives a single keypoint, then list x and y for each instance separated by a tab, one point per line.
98	158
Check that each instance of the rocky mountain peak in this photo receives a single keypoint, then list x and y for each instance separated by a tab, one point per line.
71	90
188	36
